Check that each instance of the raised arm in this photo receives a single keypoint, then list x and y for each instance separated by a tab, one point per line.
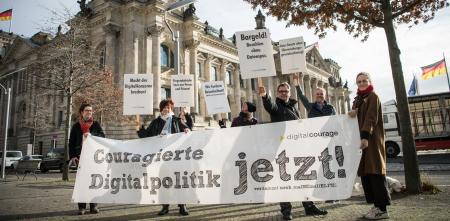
268	104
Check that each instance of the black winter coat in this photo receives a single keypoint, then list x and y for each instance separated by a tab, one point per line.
313	108
76	137
156	126
241	120
280	110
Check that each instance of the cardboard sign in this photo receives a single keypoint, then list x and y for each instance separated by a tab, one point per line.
138	94
255	53
292	55
216	97
182	90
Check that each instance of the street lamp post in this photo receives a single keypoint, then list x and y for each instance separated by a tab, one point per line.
7	92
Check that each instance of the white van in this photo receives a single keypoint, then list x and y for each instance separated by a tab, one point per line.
11	157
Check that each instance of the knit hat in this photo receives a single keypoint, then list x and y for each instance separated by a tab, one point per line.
251	107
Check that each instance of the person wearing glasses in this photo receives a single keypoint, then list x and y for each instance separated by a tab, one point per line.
283	109
80	130
372	167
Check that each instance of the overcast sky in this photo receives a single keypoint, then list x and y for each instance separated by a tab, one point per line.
420	45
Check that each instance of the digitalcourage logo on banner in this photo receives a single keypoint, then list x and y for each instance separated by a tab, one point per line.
286	161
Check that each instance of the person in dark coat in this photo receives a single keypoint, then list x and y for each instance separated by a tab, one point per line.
186	118
283	109
166	123
245	117
320	106
372	167
80	130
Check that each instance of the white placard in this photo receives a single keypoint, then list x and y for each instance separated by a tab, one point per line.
255	53
182	90
138	94
292	55
216	97
309	160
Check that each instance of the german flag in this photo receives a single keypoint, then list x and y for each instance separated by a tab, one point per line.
433	70
6	15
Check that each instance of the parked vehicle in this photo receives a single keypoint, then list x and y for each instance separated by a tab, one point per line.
430	121
11	157
54	160
27	158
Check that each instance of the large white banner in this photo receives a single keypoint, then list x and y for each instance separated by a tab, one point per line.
182	90
216	97
307	160
255	52
137	94
292	55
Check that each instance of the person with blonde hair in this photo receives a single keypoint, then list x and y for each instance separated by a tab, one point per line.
372	167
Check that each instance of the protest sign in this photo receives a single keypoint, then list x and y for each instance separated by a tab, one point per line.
138	94
292	55
182	90
309	160
216	97
255	53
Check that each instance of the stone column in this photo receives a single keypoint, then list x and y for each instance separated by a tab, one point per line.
192	45
155	32
307	86
327	97
313	89
342	102
147	54
207	66
222	73
249	90
111	32
347	99
301	108
237	88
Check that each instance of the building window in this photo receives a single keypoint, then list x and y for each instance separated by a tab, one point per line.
164	56
102	59
213	74
166	60
165	93
228	78
241	81
60	119
253	84
199	69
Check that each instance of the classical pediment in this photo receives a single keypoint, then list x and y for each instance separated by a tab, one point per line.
314	57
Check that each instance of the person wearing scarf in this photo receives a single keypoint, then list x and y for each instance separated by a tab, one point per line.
165	124
372	167
80	130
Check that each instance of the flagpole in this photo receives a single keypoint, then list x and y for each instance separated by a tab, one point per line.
10	21
417	85
446	71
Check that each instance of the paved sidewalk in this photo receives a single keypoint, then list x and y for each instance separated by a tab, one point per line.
49	199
